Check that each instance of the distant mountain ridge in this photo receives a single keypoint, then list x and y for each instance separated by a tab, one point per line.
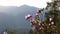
14	17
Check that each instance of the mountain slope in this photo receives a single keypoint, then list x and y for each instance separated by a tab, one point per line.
14	17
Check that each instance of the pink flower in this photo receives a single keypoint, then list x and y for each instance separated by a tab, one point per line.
4	32
28	16
36	14
52	23
50	19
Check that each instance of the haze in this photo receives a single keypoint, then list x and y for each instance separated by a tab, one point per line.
35	3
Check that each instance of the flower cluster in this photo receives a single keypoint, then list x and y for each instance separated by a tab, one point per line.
51	21
4	32
35	23
28	16
41	26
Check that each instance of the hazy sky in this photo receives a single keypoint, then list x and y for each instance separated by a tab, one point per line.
36	3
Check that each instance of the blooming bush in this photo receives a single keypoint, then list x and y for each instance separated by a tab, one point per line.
39	26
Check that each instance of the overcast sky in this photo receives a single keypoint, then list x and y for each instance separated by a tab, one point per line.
35	3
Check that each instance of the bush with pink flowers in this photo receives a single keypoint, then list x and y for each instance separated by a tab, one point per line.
41	26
